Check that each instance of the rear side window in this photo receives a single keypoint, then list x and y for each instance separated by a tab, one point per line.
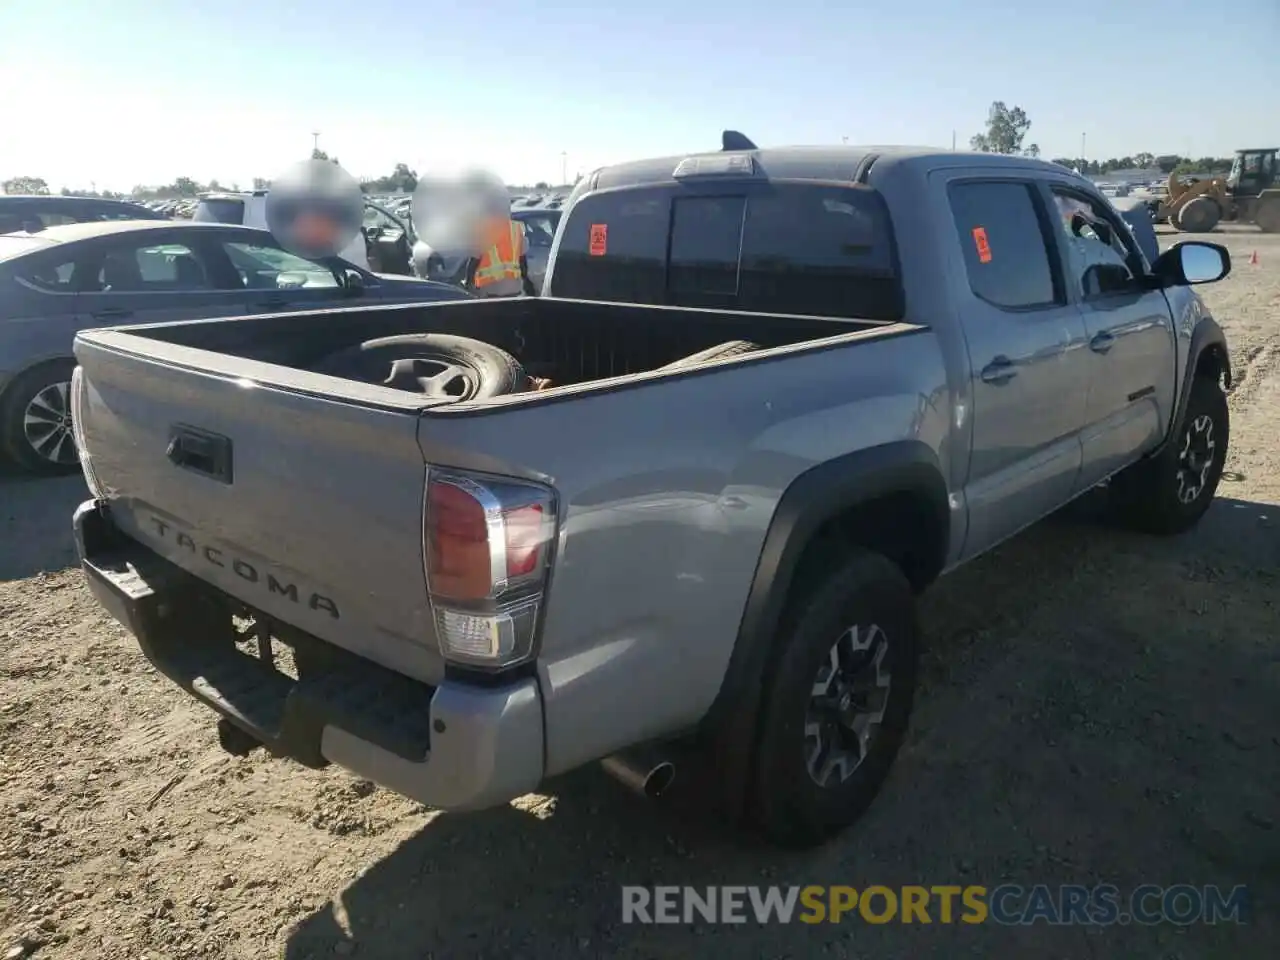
614	247
824	251
773	248
50	275
220	210
1003	239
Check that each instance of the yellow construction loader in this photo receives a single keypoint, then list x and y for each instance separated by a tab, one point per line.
1248	194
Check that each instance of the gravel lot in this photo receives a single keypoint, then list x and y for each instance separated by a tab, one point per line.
1097	707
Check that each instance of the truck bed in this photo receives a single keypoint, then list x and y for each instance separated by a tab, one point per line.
570	342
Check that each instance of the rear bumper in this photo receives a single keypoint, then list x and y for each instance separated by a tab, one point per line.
454	746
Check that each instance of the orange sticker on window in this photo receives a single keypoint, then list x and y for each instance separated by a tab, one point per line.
599	239
980	241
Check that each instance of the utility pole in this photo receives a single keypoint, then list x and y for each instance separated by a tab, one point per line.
953	141
844	139
1083	155
315	141
564	167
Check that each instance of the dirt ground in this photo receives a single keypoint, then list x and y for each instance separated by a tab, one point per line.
1096	706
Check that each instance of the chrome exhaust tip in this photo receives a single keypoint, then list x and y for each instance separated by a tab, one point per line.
641	772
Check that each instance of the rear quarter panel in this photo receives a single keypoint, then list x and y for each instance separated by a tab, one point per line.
667	490
34	327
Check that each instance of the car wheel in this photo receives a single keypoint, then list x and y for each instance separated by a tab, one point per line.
721	351
436	365
1170	492
35	420
838	701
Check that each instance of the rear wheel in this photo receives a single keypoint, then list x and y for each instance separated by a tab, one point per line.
838	701
35	420
1267	215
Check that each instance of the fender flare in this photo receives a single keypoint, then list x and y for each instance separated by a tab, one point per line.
1206	337
813	498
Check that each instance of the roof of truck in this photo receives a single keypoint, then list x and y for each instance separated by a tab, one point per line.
837	163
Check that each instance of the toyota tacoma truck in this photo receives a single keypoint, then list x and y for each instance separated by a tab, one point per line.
677	508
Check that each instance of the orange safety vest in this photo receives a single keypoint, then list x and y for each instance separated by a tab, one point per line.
501	260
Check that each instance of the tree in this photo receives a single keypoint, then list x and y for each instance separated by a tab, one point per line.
260	184
26	185
186	187
1006	129
403	179
542	185
1143	160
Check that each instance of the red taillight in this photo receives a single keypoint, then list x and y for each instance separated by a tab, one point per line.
459	565
486	543
524	539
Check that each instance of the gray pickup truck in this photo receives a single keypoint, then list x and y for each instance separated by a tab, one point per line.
675	510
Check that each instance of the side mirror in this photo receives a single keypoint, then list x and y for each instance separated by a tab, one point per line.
353	283
1192	262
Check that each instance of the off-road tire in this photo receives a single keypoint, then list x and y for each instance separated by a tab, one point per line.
1267	214
13	409
1145	496
786	802
721	351
496	372
1200	215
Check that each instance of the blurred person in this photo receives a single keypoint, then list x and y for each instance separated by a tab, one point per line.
502	267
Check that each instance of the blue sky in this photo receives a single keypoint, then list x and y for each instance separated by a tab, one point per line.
120	92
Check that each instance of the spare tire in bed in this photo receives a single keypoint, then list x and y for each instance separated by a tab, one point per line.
437	365
721	351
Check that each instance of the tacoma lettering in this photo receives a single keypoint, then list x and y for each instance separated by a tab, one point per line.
245	570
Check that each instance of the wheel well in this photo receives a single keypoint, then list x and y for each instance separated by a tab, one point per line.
8	384
1213	365
905	527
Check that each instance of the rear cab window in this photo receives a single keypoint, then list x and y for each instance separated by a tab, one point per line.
789	247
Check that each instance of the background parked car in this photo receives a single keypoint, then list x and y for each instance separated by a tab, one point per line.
32	214
540	225
384	245
69	278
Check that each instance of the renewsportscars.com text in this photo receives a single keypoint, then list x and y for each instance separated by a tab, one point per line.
1007	904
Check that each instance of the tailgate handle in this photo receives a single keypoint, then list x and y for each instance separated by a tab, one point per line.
202	452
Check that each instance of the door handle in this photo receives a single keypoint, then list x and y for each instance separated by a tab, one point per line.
112	313
273	302
1102	342
998	371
